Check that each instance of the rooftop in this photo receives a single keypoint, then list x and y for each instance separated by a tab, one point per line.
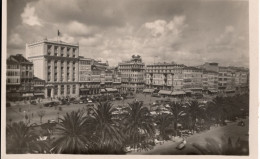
53	42
18	58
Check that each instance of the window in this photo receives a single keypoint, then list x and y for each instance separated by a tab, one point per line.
56	90
74	52
68	89
62	51
49	50
68	52
62	89
74	89
55	50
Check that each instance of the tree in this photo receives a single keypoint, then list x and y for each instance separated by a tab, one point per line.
177	110
20	139
107	130
41	113
163	121
74	134
195	112
219	109
138	123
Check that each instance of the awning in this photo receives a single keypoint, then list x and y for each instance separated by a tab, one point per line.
102	90
213	91
188	91
39	94
28	95
178	93
49	85
111	90
148	90
165	92
84	89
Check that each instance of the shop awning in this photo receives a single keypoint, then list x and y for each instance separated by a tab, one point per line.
28	95
84	89
165	92
102	90
148	90
188	91
49	85
111	90
213	91
39	94
178	93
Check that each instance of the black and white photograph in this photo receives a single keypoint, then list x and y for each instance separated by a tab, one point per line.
128	77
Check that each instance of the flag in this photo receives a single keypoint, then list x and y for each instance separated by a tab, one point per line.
59	33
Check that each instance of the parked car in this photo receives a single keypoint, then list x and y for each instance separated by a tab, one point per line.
241	123
33	102
75	102
156	95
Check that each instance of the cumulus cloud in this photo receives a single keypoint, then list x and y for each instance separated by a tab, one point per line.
29	17
177	31
78	29
15	39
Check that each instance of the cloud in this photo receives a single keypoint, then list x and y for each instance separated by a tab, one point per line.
15	39
78	29
180	31
29	17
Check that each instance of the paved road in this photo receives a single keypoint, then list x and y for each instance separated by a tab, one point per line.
169	147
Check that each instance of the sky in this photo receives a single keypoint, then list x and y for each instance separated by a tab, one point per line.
189	32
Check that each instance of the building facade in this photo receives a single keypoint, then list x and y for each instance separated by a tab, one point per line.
39	87
95	76
19	78
165	76
132	74
56	62
192	80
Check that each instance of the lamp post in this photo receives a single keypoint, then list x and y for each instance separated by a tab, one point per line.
172	80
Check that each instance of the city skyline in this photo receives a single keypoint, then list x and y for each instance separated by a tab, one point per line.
214	31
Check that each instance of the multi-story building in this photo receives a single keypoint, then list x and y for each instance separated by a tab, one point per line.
56	62
210	81
19	77
89	80
164	76
39	87
95	77
223	79
132	74
116	79
192	80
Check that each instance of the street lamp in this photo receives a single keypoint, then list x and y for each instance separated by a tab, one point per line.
172	80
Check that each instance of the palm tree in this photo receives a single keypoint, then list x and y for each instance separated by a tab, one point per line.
20	138
138	123
219	109
177	110
107	130
195	112
163	121
74	134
